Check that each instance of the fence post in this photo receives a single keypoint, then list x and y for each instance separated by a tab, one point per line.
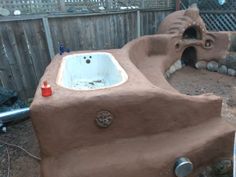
138	24
177	5
142	5
62	5
48	37
109	4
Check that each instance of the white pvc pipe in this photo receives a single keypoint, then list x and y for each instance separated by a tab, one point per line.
234	157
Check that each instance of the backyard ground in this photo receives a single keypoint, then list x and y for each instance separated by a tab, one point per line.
188	81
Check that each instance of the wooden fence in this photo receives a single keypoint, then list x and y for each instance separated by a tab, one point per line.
27	44
221	21
82	6
218	17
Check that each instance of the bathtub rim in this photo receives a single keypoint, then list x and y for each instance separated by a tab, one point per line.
123	73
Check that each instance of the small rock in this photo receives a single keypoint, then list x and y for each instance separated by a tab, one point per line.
4	12
201	65
168	74
4	129
208	172
178	65
230	60
231	72
223	167
223	69
172	69
232	100
213	66
17	12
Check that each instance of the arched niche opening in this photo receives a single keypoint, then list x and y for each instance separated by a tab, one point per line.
189	57
192	32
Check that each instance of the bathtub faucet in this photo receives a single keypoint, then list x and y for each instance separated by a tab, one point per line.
62	49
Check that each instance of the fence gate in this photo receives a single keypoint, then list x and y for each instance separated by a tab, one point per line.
219	15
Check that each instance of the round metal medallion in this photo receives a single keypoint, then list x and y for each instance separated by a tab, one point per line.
104	119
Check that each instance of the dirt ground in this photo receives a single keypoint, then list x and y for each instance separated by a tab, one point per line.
188	81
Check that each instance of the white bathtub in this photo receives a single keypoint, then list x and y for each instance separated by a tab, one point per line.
90	71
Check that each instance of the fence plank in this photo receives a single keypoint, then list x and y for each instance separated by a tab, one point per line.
48	37
5	73
12	65
20	64
150	21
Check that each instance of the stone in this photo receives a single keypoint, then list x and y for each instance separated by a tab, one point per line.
208	172
232	100
213	66
168	74
172	69
9	100
223	69
7	96
201	65
223	167
178	65
231	72
230	60
4	12
17	12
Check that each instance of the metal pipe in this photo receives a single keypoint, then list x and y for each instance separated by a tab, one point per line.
183	167
14	115
234	157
